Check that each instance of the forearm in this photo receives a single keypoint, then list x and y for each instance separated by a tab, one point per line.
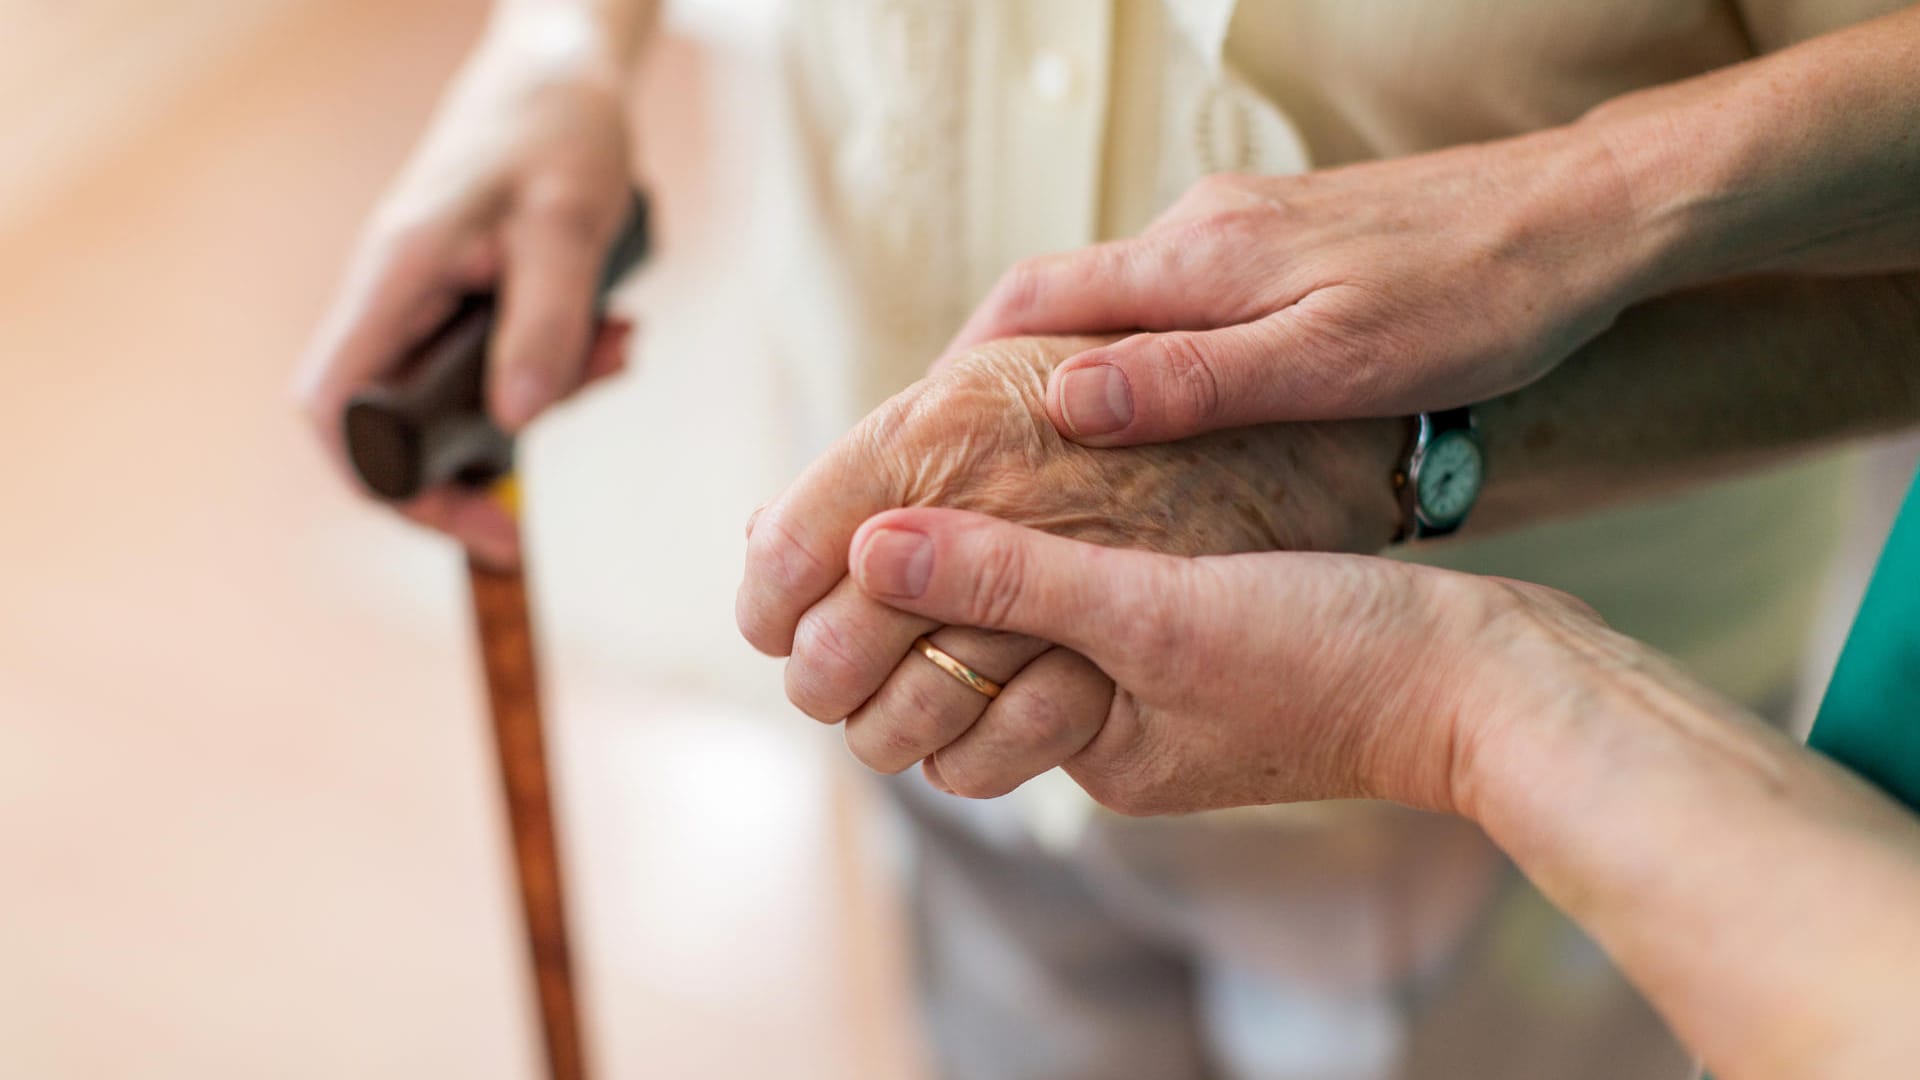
1702	385
1799	162
1766	901
1802	161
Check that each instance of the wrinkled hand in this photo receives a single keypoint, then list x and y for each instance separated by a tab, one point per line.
519	186
1244	679
974	436
1379	289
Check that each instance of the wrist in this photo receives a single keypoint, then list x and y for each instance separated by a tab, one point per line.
1600	213
1569	724
1458	682
1691	169
1378	450
563	40
1535	670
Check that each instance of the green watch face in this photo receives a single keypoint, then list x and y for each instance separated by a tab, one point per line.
1450	474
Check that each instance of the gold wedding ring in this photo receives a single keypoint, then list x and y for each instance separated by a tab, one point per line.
974	680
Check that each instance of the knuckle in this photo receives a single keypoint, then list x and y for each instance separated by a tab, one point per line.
904	721
818	642
1152	628
774	549
906	738
888	739
803	692
756	622
1195	238
1193	385
917	698
1021	290
565	210
975	787
867	750
1212	232
535	340
995	589
1039	723
1216	186
1237	198
1208	195
411	248
1131	773
1355	354
967	780
821	667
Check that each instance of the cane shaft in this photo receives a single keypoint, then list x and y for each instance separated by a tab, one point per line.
507	651
423	425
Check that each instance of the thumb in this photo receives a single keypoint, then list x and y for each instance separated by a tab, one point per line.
1160	387
968	569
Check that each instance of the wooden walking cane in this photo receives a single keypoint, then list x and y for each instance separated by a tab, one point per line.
428	426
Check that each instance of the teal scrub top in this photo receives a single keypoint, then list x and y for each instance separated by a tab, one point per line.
1869	720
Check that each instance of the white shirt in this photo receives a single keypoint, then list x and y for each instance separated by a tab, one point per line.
947	141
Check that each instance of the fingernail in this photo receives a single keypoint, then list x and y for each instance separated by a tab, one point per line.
525	395
897	562
753	517
1096	400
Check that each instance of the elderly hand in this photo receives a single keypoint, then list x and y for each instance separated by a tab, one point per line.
1689	838
975	436
1240	680
520	185
1378	289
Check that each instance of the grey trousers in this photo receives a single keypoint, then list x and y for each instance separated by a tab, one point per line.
1335	942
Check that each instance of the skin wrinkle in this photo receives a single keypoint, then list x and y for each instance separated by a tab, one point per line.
1426	688
1006	452
787	545
1777	337
1650	785
1625	735
975	436
1638	216
1154	777
1045	727
1629	808
1597	673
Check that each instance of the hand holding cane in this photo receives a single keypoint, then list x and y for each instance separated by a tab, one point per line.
427	426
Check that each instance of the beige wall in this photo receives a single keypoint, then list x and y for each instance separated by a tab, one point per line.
78	76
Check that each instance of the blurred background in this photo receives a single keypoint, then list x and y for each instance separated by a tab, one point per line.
248	816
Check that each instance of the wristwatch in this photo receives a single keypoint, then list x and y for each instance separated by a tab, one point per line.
1440	478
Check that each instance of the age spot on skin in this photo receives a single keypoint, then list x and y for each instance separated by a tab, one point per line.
1252	516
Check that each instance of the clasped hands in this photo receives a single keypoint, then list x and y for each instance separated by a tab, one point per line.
959	512
1167	684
